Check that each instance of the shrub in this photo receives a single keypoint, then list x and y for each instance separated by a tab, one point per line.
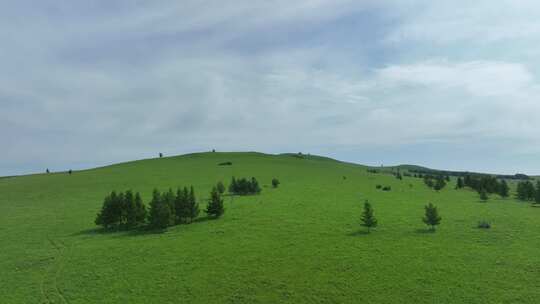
484	225
378	186
386	188
225	164
275	182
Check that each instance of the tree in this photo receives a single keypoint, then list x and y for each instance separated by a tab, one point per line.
47	171
483	194
368	219
503	189
140	210
129	210
439	183
431	217
537	193
215	204
220	187
110	215
459	183
160	155
180	205
192	207
233	186
275	182
161	213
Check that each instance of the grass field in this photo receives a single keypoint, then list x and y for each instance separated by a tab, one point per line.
299	243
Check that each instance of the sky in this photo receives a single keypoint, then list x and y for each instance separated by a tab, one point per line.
445	84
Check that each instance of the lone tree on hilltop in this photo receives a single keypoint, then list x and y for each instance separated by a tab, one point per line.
368	218
215	204
431	217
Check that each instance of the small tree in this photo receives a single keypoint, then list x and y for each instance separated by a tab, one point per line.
220	187
483	194
161	213
537	193
215	204
459	183
431	217
503	189
368	219
275	182
180	205
192	207
140	210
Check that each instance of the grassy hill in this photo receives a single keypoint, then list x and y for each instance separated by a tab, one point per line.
299	243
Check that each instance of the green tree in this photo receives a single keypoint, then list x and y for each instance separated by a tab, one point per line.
483	194
180	205
140	210
275	182
459	183
537	193
368	218
503	189
192	207
220	187
439	183
161	213
431	217
215	204
130	210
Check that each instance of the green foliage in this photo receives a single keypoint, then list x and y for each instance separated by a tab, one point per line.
220	187
122	210
459	183
483	195
275	182
484	224
431	217
161	210
244	186
215	207
503	189
525	191
537	193
368	218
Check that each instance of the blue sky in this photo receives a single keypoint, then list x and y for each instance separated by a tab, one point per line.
445	84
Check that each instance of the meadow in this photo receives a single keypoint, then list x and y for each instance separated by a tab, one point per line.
299	243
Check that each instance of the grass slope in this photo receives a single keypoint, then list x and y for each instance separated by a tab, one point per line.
300	243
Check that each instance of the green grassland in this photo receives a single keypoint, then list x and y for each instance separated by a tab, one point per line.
299	243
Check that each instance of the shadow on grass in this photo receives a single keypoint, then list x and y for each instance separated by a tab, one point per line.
358	233
138	231
425	231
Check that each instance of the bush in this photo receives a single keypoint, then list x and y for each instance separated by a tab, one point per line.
484	225
220	187
386	188
275	182
378	187
225	164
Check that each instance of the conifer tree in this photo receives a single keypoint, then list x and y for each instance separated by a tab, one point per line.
192	207
459	183
220	187
368	218
180	205
140	210
215	204
161	213
503	189
130	211
431	217
537	193
483	194
275	182
233	186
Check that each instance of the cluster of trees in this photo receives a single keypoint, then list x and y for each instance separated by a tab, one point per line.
121	211
243	186
431	216
484	185
127	211
526	191
436	182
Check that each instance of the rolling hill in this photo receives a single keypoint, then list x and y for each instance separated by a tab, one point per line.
299	243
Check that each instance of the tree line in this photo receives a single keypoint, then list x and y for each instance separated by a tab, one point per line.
484	185
126	210
526	191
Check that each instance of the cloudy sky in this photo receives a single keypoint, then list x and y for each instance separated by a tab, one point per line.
445	84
